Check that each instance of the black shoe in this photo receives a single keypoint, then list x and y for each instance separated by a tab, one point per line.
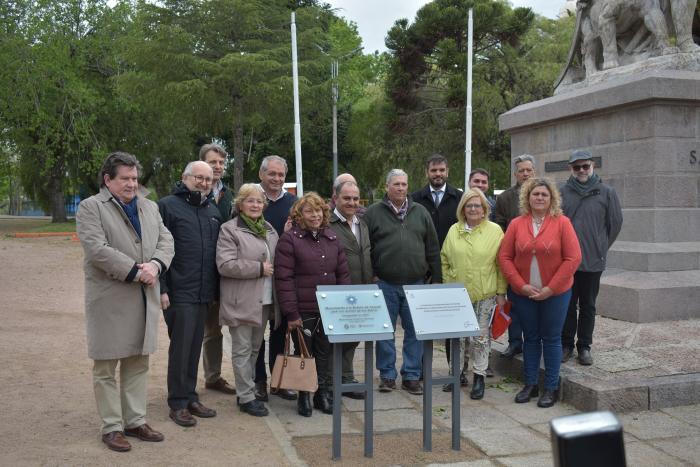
254	408
357	395
567	353
529	391
489	372
477	388
323	401
447	387
286	394
548	398
304	404
463	380
512	351
585	357
261	391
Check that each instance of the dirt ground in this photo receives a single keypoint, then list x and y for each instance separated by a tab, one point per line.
45	377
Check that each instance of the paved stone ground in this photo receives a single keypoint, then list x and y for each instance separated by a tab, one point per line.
495	431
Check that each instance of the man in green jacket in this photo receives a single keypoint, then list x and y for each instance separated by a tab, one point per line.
404	249
215	155
354	236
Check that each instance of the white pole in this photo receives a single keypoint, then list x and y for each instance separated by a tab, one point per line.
468	142
334	78
297	123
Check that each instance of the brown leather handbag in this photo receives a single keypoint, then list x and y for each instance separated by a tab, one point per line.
292	371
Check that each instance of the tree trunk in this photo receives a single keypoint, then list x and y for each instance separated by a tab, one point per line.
57	204
238	155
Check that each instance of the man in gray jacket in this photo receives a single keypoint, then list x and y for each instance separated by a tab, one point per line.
595	212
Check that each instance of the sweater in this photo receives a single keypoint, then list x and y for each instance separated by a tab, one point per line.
277	212
556	249
403	252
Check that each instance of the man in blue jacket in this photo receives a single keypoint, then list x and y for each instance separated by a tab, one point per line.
595	212
189	286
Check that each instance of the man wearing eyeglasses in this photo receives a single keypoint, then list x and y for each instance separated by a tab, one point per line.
189	286
595	212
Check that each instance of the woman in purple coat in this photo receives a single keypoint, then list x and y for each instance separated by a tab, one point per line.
310	254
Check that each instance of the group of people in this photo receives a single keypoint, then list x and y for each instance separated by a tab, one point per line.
207	258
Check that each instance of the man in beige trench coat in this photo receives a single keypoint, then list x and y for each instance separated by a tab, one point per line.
126	248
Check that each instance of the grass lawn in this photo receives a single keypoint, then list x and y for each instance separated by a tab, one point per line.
51	227
28	224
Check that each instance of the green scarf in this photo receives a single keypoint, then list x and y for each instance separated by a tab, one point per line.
257	226
583	188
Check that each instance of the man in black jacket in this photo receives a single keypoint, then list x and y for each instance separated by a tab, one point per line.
439	198
189	286
595	212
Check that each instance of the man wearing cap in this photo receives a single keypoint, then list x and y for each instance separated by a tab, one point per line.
595	212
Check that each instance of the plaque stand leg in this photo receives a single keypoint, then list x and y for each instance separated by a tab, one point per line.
339	388
429	382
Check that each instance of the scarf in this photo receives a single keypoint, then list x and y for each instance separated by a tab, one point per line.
583	188
132	212
257	226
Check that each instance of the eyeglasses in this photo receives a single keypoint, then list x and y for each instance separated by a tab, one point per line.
582	166
202	178
473	206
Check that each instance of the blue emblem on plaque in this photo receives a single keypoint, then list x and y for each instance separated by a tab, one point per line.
351	299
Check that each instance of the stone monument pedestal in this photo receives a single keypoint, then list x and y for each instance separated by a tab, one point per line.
645	128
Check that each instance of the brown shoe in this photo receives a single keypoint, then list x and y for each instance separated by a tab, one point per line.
183	417
199	410
412	387
145	433
221	385
116	442
387	385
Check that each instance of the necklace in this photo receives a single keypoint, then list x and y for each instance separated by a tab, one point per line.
538	221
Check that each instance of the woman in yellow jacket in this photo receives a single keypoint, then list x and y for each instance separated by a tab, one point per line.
469	256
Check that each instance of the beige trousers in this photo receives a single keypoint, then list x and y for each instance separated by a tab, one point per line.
123	407
245	345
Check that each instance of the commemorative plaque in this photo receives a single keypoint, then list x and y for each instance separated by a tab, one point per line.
354	313
441	311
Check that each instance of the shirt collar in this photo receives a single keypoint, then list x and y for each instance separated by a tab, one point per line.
442	188
273	200
342	218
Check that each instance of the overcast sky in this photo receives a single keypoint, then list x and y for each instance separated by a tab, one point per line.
374	18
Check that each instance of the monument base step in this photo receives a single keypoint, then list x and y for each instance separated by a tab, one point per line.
645	297
622	394
654	257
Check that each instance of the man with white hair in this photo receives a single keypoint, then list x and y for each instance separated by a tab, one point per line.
189	286
404	249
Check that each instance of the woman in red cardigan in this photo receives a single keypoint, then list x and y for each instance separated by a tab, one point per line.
538	257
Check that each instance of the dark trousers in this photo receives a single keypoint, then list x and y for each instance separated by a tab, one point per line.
276	347
583	296
186	331
319	348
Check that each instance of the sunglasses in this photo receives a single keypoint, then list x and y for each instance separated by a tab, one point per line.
582	166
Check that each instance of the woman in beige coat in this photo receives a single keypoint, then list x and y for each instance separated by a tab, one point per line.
244	256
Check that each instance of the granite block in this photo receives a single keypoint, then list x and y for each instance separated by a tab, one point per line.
676	390
656	425
508	441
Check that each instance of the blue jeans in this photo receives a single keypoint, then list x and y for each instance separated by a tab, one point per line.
542	324
412	349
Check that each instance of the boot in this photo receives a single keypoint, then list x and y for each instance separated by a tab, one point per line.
323	401
477	387
304	404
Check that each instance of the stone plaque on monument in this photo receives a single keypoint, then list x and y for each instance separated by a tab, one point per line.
354	313
441	311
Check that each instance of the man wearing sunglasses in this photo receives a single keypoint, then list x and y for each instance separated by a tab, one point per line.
595	212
